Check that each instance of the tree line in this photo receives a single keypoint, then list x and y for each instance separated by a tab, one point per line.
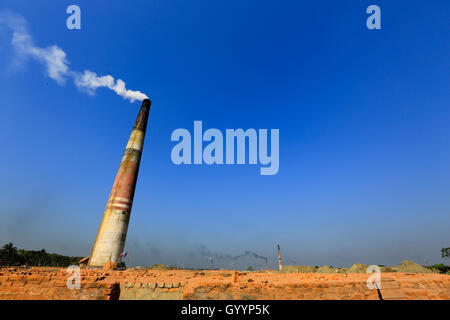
11	256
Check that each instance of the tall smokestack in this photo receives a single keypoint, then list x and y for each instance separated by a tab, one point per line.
280	264
112	233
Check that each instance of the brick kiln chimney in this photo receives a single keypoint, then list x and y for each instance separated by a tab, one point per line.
280	264
112	233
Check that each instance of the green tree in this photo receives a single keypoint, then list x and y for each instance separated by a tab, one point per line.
9	254
445	252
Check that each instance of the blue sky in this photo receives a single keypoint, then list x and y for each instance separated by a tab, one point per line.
363	117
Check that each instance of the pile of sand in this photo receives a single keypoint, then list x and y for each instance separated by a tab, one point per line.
407	267
160	266
302	269
358	268
325	269
412	267
138	268
388	269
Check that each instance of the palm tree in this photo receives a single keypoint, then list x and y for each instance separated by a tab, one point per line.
9	254
9	247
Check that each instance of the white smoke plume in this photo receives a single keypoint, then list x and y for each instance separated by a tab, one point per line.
90	81
56	64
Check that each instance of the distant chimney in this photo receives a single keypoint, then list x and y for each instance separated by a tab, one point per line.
112	233
280	264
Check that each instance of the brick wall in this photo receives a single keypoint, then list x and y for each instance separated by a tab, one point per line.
46	283
51	284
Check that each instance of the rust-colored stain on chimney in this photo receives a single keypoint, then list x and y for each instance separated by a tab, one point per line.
110	241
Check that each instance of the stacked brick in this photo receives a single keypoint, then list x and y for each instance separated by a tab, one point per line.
51	284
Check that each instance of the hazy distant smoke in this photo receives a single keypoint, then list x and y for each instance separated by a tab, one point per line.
204	252
251	254
56	64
